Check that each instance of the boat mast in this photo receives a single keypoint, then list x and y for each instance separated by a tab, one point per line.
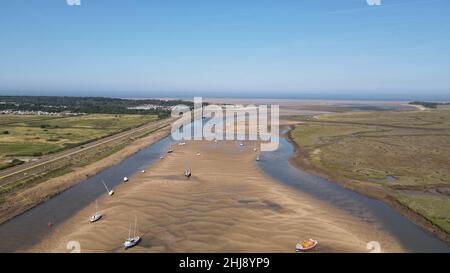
105	186
135	226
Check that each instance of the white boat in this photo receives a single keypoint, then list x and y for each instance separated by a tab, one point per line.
134	240
131	242
187	173
97	216
198	154
110	192
161	157
257	158
170	150
241	144
125	179
143	171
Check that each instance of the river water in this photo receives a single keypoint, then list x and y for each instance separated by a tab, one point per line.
413	238
30	227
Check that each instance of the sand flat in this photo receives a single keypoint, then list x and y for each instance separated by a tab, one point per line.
228	205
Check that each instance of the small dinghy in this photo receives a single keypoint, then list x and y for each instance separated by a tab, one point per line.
241	144
125	179
170	150
187	173
161	157
143	171
306	245
257	158
97	216
134	240
198	154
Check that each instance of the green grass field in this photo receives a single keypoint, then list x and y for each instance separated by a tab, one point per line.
25	137
407	153
7	119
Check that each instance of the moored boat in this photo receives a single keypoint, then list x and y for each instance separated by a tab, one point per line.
97	215
306	245
134	240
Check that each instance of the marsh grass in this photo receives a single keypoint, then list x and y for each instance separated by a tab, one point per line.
411	146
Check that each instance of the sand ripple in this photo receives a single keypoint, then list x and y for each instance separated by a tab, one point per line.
228	205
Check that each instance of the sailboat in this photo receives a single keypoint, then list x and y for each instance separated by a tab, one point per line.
132	241
187	172
125	179
97	216
257	158
170	149
110	192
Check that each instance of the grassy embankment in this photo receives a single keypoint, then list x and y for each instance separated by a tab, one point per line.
405	154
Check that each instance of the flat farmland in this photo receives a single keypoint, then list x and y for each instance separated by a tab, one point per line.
8	119
23	138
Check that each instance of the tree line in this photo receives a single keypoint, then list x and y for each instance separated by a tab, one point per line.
88	105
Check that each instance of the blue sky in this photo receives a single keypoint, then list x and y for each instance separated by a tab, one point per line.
275	48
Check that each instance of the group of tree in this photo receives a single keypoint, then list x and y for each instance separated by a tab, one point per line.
89	105
432	105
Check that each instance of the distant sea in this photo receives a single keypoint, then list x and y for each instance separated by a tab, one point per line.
363	95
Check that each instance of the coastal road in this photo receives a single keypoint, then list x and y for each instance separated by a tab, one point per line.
29	166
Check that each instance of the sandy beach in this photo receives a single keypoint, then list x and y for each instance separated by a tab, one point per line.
228	205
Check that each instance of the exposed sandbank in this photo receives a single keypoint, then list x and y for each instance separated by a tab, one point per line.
228	205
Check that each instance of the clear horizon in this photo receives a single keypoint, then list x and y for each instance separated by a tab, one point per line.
362	96
309	49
